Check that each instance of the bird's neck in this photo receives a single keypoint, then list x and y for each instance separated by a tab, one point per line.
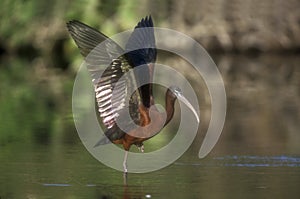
170	101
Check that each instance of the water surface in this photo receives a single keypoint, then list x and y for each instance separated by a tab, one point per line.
257	155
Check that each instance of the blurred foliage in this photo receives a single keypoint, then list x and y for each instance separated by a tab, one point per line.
32	22
25	108
39	60
35	58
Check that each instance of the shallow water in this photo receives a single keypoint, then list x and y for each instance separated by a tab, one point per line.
42	172
257	155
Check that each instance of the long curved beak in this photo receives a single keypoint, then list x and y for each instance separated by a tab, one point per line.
188	104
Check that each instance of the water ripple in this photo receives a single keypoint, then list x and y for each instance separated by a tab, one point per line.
248	161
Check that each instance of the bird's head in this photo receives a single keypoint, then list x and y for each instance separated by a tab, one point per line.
177	94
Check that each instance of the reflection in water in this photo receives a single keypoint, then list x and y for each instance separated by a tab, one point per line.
134	187
263	103
257	154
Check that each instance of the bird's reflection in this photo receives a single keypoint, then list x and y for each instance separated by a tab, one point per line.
132	191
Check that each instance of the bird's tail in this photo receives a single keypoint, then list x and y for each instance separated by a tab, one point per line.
104	140
114	133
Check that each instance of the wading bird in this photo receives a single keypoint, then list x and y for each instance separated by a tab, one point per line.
112	91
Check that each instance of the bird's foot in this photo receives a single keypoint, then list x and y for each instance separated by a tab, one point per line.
141	148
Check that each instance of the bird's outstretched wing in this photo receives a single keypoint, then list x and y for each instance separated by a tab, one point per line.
88	40
141	51
107	65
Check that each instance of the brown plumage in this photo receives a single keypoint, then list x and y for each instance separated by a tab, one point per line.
107	63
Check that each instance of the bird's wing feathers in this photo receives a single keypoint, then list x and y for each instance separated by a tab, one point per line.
107	63
106	67
88	39
141	50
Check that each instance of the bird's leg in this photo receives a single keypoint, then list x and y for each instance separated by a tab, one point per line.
125	162
125	178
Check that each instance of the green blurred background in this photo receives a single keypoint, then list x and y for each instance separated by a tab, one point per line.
255	44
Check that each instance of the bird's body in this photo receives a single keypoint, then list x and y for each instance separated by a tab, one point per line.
149	127
114	95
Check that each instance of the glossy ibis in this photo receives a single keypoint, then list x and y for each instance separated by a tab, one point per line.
111	96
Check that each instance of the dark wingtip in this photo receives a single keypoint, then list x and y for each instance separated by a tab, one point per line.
141	46
75	24
71	23
145	22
